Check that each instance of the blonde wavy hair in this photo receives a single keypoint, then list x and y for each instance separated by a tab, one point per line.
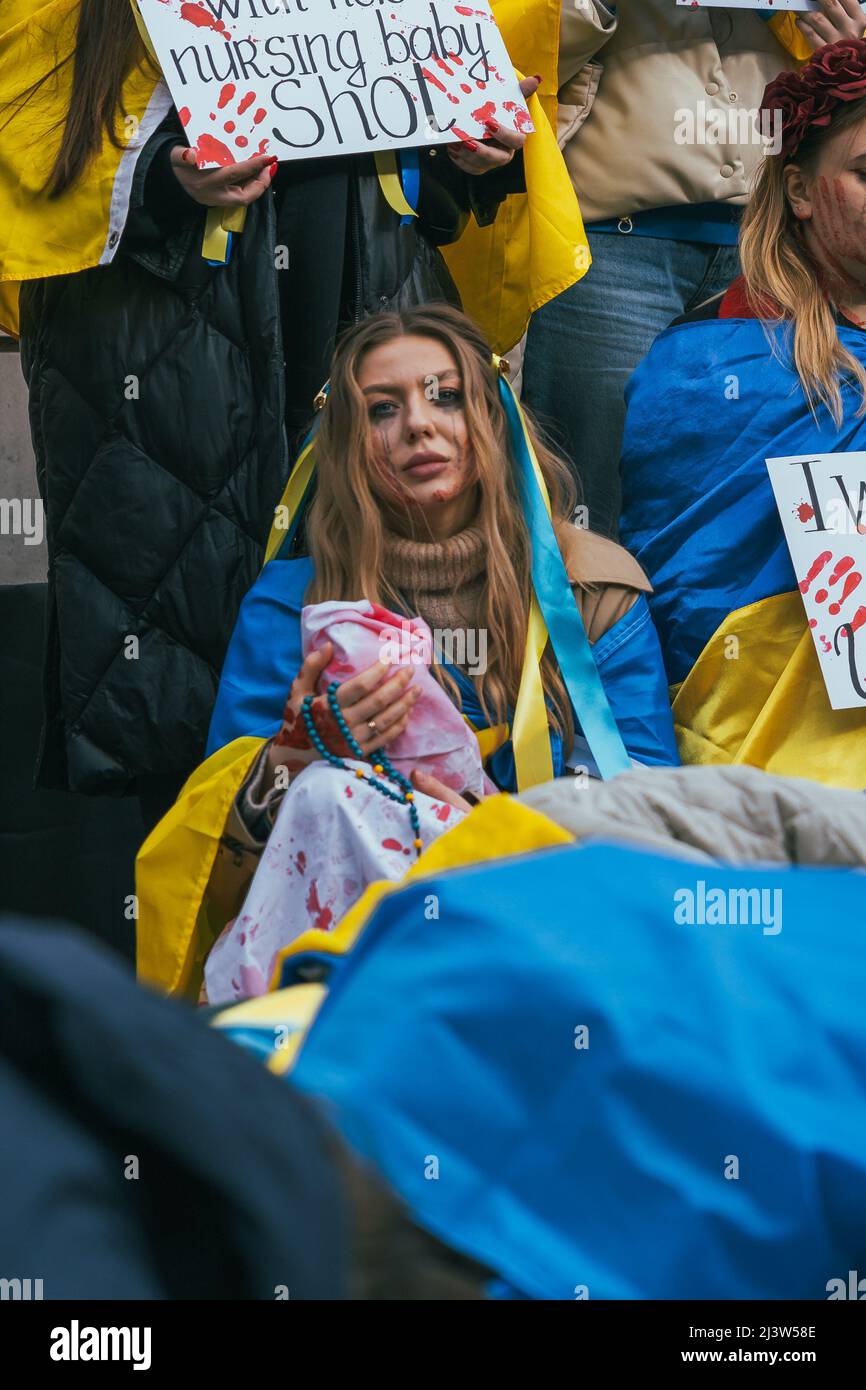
778	268
345	529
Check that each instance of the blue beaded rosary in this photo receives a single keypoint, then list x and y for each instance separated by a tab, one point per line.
405	795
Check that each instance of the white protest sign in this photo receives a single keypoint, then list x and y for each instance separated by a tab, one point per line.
822	503
751	4
301	79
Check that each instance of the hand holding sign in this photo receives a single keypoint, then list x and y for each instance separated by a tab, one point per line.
235	186
835	20
822	506
499	146
306	80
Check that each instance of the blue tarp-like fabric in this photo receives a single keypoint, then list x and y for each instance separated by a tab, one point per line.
453	1039
265	655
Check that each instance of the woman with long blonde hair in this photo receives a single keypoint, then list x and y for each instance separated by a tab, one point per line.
773	368
420	509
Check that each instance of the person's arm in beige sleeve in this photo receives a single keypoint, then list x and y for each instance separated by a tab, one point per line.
584	27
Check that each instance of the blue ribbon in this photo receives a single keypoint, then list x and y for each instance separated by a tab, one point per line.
410	180
564	624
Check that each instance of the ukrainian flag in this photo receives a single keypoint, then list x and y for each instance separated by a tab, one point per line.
711	402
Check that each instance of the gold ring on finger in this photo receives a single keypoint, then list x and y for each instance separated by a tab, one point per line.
371	725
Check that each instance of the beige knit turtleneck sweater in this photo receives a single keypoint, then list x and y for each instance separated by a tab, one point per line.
443	580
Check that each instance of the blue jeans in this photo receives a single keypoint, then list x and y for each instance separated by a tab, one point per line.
584	345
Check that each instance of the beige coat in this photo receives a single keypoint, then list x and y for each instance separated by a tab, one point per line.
625	82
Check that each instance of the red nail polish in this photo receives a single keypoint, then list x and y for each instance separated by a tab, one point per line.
492	126
538	77
470	144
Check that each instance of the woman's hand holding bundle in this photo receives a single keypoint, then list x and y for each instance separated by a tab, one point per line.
376	709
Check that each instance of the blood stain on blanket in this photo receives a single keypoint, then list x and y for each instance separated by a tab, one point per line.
804	512
322	916
301	861
349	792
443	812
392	844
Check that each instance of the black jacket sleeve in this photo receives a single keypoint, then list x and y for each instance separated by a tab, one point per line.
448	196
162	217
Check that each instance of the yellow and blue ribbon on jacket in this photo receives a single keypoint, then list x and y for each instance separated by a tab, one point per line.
400	181
555	613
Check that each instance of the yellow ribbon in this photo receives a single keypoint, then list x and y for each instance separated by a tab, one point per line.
530	732
389	182
291	500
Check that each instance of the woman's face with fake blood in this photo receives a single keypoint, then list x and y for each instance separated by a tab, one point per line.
424	463
829	201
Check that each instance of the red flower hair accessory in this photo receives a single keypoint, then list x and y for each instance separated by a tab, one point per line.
834	74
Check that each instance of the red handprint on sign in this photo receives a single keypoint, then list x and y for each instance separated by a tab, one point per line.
844	571
210	149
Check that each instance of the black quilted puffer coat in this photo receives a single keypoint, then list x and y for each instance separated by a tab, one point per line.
159	397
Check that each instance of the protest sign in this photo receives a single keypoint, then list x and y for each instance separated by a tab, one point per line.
822	503
302	79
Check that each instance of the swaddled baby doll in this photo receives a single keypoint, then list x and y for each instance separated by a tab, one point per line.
438	739
334	834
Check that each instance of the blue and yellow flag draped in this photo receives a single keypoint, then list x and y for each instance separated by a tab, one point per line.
707	406
177	923
535	249
559	1041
